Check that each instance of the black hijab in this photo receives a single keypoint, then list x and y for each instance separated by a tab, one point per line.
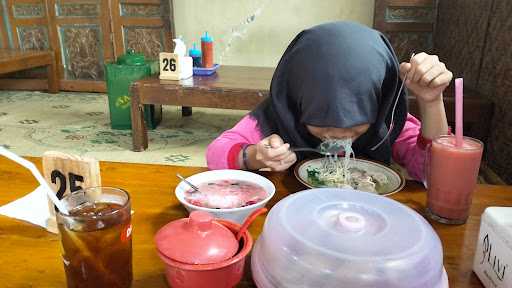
338	74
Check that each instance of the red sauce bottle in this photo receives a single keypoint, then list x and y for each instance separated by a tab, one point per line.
207	50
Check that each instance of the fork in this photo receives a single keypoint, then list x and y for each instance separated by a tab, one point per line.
391	125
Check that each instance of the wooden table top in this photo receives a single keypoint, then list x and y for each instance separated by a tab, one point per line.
227	78
30	256
19	54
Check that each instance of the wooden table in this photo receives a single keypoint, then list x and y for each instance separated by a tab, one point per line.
17	60
232	87
30	256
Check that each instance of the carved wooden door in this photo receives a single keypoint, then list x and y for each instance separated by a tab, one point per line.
408	24
142	25
81	36
86	33
4	39
26	24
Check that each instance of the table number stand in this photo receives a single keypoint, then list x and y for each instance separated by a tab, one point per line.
66	173
175	67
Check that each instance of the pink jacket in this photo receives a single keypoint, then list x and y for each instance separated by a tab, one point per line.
409	149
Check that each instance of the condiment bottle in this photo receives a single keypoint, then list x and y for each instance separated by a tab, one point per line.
196	55
207	50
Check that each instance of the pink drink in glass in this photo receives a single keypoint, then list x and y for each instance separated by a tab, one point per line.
452	174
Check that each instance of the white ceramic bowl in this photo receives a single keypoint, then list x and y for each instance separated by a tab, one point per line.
237	215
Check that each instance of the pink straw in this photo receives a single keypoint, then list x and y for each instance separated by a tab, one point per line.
458	111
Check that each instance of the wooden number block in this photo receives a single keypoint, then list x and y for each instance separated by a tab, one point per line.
66	173
169	66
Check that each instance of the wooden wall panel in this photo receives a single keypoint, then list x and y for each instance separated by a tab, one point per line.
85	34
473	37
409	25
496	81
4	39
495	77
460	36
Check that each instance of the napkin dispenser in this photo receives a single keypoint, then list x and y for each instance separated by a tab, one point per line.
493	256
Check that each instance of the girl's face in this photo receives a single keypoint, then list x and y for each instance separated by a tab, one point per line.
323	133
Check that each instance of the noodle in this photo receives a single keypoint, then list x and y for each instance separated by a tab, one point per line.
338	172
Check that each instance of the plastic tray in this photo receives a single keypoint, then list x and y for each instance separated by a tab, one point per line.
200	71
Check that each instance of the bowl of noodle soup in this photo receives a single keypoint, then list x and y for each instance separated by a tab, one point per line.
362	175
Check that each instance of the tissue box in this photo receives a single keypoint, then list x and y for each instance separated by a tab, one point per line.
493	256
186	67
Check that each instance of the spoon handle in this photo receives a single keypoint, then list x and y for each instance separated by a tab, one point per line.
188	183
306	149
249	220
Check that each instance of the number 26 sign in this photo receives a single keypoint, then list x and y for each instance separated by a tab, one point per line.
169	66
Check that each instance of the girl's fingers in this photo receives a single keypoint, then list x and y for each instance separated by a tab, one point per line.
404	68
431	74
290	159
441	80
423	67
281	157
271	153
415	62
275	141
284	163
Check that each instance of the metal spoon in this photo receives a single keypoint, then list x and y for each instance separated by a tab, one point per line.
194	187
329	150
304	149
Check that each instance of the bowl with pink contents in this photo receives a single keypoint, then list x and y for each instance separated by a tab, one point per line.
227	194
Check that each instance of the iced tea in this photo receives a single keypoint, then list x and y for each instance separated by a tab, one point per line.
96	239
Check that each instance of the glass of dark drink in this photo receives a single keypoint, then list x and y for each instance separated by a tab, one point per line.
96	238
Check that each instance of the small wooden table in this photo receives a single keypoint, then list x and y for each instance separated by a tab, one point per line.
30	256
232	87
17	60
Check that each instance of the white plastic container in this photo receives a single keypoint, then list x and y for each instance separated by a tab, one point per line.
345	238
493	256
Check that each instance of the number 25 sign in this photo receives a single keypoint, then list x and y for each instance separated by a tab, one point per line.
169	66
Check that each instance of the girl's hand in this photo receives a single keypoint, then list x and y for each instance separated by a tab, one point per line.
274	153
426	77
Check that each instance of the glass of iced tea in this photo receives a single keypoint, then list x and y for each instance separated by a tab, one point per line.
96	238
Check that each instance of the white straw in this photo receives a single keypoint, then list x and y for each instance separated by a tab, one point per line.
30	166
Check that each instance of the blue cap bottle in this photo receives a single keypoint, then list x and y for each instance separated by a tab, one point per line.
196	55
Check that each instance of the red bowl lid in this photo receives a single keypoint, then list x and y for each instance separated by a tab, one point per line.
196	240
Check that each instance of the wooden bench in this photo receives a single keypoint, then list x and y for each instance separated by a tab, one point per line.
16	60
242	88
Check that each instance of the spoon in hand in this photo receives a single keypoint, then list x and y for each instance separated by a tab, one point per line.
328	147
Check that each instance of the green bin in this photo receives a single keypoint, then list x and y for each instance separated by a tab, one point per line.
129	67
